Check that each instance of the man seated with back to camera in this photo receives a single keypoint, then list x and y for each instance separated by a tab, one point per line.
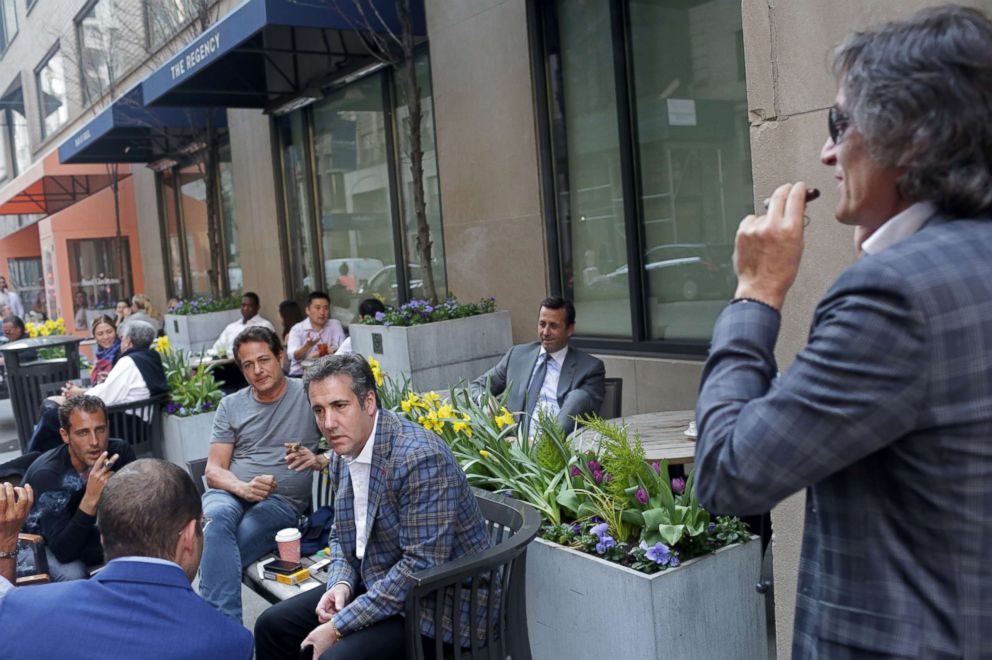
68	482
141	604
368	308
138	374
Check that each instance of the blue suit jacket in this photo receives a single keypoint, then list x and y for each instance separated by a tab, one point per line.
130	609
886	417
421	513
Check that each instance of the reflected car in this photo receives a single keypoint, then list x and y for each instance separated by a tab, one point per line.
383	285
686	271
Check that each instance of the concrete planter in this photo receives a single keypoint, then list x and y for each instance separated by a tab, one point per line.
196	332
186	438
580	606
437	355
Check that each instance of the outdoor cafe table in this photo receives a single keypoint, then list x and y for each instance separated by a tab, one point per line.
662	435
274	591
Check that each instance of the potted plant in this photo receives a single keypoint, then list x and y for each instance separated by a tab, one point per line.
627	559
194	394
194	325
435	345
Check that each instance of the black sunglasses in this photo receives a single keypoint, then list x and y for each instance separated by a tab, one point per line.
837	123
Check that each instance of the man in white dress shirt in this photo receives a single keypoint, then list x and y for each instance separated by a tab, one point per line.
250	305
568	385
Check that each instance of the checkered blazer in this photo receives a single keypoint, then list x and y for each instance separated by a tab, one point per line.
421	513
886	418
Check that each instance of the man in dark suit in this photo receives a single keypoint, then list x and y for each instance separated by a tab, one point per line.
885	416
548	374
402	505
141	604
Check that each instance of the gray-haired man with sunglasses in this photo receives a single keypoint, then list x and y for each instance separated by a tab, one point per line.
886	415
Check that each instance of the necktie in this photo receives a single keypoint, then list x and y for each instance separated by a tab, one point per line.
536	383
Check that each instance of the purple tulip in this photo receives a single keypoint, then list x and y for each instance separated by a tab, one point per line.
575	471
597	476
594	465
641	495
657	467
678	485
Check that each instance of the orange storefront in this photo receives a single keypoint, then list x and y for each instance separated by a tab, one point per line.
75	239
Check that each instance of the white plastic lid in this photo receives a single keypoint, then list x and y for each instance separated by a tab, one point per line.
288	534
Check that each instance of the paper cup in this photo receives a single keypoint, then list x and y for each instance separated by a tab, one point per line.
288	542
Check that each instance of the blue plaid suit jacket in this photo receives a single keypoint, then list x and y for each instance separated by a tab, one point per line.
421	513
886	417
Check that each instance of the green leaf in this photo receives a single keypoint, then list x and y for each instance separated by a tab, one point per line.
671	534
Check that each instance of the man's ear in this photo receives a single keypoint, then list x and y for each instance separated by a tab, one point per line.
186	543
64	434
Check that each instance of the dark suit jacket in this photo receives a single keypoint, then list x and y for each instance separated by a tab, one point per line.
886	417
421	513
130	609
580	386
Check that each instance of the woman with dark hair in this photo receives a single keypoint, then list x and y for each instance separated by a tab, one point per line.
108	347
289	314
122	311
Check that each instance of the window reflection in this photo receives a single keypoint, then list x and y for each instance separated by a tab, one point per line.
51	94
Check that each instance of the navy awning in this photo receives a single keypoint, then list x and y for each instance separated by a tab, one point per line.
129	132
267	50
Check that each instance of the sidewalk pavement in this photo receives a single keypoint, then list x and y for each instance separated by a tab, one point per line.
253	604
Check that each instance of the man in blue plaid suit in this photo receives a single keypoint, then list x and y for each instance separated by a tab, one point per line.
886	414
402	504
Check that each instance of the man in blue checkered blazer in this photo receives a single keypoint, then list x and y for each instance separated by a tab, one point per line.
886	415
402	504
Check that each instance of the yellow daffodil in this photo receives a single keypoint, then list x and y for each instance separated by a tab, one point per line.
376	370
433	397
505	418
447	411
406	405
484	454
161	344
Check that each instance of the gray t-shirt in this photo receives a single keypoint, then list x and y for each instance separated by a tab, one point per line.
258	431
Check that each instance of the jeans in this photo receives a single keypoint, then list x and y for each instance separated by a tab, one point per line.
239	533
59	572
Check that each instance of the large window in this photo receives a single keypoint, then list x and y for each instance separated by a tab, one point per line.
16	156
650	162
26	279
201	253
50	80
8	23
164	18
98	280
107	46
348	193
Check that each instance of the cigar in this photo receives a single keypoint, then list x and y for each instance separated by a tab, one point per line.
109	463
292	447
811	194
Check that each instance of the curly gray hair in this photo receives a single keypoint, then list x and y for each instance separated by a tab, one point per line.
920	92
141	333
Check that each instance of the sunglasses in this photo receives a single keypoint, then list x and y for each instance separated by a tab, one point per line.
838	122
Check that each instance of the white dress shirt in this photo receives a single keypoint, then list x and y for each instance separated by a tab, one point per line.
548	399
124	384
899	227
360	469
226	340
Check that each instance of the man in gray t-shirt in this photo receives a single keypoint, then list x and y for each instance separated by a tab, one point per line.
259	469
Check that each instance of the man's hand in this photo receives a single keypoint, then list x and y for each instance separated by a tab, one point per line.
98	478
332	602
258	488
321	638
71	389
300	458
769	247
15	505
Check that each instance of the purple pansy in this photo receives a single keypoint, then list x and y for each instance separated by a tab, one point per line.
659	554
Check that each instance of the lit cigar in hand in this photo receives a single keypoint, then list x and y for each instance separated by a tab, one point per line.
811	194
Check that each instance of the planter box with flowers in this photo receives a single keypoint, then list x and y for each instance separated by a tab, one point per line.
435	346
194	325
188	417
629	562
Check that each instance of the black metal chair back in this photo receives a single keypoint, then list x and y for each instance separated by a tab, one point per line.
512	525
139	424
612	398
197	470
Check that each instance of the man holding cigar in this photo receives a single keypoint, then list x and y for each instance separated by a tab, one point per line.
259	469
15	504
885	416
68	482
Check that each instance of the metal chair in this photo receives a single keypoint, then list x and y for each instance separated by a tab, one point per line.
512	525
197	470
612	398
139	423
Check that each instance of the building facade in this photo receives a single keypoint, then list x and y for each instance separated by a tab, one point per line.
601	149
